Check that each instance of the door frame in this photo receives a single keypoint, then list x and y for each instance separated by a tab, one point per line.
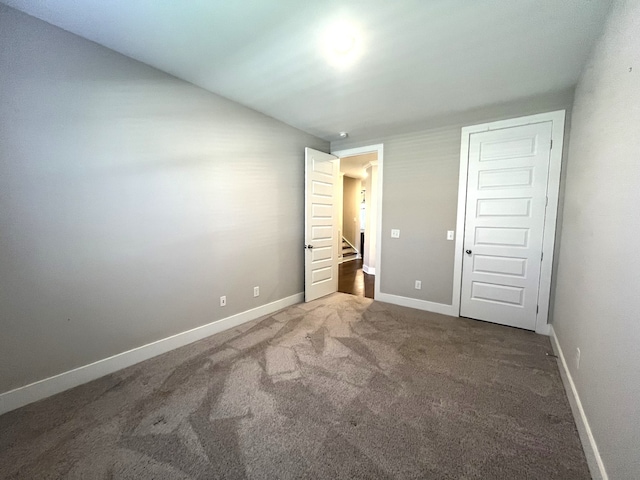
553	189
379	149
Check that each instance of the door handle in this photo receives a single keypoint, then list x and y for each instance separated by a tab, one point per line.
468	252
308	246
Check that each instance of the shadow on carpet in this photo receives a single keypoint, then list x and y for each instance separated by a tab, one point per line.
339	388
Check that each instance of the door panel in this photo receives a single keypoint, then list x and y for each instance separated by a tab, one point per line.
505	178
504	224
321	224
500	265
502	237
504	207
497	293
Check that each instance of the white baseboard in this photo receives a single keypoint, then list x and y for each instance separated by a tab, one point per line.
442	308
368	270
59	383
594	460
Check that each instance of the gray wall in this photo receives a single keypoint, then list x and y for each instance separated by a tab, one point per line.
598	289
130	201
420	195
351	194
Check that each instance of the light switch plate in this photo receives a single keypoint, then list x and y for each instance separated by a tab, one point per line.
449	234
395	233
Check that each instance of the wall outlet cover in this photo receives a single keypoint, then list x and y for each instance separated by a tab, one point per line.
395	233
418	284
256	291
223	301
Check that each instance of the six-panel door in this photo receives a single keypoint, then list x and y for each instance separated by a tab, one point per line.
321	239
504	224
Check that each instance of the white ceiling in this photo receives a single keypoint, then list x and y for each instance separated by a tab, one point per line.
420	58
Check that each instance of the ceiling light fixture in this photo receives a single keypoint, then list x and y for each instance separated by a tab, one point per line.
343	134
342	44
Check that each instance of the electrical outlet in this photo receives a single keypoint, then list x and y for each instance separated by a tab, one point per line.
395	233
577	358
418	284
256	291
449	234
223	301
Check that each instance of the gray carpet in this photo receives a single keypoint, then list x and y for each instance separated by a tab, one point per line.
340	388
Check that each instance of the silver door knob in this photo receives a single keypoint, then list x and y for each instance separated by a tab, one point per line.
468	252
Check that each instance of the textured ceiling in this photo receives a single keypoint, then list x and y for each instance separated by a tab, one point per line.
419	59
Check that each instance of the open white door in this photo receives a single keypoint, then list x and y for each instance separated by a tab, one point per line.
321	224
507	181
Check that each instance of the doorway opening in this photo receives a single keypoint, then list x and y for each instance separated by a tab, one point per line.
324	215
356	272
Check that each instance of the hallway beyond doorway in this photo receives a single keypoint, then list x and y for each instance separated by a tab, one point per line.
351	279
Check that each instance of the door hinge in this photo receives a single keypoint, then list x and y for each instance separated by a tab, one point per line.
537	308
541	255
546	203
551	145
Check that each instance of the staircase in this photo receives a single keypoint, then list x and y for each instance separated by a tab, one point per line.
349	252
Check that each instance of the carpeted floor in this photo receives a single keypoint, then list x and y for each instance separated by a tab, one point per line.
340	388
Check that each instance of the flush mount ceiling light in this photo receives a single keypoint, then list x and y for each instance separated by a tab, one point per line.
343	134
342	44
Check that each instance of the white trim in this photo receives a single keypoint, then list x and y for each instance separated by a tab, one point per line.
549	239
462	205
33	392
379	148
370	164
553	187
368	270
594	460
442	308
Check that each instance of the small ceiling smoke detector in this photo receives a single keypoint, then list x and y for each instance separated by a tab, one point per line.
343	134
